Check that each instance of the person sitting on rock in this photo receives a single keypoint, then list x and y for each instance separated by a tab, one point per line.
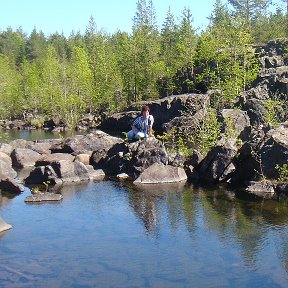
141	125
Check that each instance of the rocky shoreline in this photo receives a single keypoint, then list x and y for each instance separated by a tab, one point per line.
248	160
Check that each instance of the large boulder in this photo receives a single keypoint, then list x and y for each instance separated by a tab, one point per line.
218	163
83	144
6	170
132	158
160	173
236	120
11	186
6	148
24	157
43	174
4	226
58	172
54	157
274	150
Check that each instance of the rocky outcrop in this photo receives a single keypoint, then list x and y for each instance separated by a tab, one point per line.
272	82
163	110
131	158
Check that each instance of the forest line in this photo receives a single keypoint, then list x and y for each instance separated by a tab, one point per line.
66	77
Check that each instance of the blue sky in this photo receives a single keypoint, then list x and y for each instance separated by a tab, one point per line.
73	15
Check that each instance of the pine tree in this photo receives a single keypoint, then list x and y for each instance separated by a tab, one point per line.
145	41
35	46
187	38
249	9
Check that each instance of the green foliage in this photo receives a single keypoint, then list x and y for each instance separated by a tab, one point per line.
4	136
283	172
11	102
37	122
209	132
64	77
174	141
271	113
226	60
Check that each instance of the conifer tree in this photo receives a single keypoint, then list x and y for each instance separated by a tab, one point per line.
145	41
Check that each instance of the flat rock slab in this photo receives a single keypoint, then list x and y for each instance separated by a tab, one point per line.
4	226
43	197
160	173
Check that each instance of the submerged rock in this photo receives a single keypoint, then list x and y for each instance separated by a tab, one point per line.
43	197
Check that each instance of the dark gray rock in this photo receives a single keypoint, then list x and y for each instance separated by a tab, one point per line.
274	150
163	110
69	171
216	166
132	158
43	174
236	119
11	186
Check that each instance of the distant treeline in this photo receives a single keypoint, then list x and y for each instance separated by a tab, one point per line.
63	77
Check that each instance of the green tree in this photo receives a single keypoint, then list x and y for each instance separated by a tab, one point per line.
59	42
51	82
11	102
80	80
220	14
226	61
123	51
31	87
249	9
145	41
12	45
168	54
35	46
187	38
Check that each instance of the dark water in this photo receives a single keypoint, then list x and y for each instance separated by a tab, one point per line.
108	234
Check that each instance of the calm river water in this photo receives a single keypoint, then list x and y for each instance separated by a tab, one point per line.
107	234
114	234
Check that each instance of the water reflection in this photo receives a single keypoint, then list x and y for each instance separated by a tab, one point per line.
173	235
143	199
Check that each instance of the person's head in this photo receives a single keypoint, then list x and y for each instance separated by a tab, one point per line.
145	111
